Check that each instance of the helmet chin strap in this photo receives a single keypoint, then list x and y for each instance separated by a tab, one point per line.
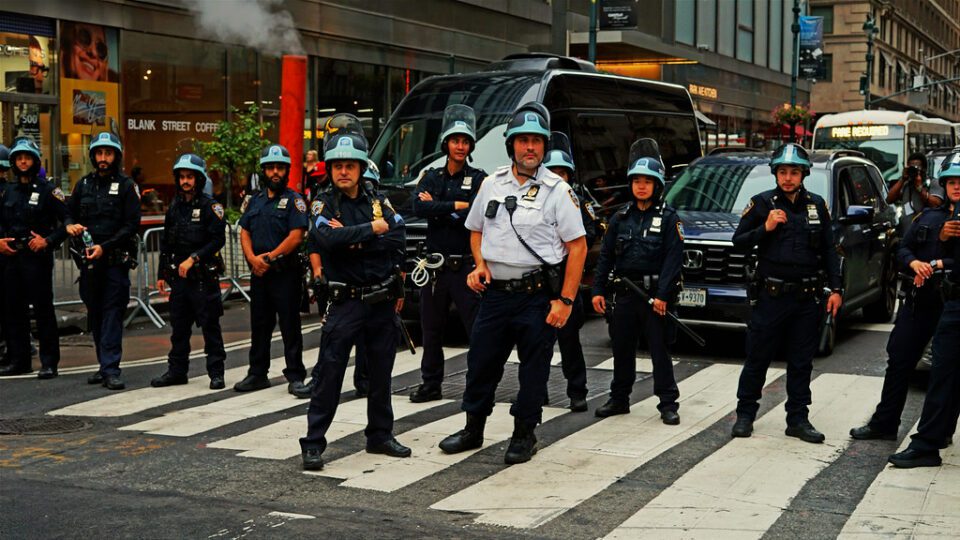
516	165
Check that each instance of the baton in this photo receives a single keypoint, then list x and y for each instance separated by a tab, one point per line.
406	335
646	297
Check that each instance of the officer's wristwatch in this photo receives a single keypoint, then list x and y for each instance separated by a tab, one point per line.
195	258
566	301
837	291
935	263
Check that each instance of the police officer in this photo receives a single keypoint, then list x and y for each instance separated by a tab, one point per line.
273	225
443	197
560	162
33	216
4	167
190	264
919	257
645	245
941	406
105	203
790	227
361	241
524	221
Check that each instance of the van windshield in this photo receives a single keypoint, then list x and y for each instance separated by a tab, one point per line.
409	142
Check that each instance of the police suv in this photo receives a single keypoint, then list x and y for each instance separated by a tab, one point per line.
713	191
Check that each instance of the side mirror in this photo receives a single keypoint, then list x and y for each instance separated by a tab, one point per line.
857	215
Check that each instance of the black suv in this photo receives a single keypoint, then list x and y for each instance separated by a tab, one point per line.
712	192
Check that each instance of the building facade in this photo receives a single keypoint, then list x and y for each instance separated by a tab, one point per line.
914	42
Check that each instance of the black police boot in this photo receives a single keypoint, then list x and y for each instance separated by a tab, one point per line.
468	438
947	443
301	390
868	432
251	383
312	459
168	379
670	418
426	392
523	444
578	404
805	432
95	378
612	407
217	383
390	447
47	373
113	382
13	369
912	457
743	427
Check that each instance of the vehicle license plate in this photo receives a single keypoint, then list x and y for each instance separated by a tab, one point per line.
693	297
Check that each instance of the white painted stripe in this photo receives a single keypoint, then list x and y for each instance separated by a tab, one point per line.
872	327
742	489
910	503
290	515
514	358
187	422
384	473
585	463
644	364
281	439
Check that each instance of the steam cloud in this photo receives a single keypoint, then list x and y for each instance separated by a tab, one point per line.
258	24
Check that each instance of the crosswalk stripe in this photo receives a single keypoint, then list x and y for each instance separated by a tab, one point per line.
141	399
280	440
384	473
187	422
644	364
920	502
556	360
742	489
585	463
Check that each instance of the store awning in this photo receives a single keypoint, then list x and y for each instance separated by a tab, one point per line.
888	58
704	121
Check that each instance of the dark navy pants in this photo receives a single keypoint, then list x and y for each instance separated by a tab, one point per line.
348	322
273	296
435	299
106	292
505	320
630	316
942	404
915	324
28	280
782	327
193	301
571	352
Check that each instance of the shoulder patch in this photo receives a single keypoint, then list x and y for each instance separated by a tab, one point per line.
316	208
245	204
590	211
386	201
680	230
58	193
573	197
749	207
218	209
301	206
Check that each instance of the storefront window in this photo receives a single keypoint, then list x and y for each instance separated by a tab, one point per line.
26	63
173	95
271	70
354	88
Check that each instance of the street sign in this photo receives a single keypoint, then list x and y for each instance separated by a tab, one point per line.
618	14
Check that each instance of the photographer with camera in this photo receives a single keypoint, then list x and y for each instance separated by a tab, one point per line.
913	191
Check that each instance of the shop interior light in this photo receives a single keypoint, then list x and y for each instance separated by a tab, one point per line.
647	62
364	110
325	110
249	102
354	102
149	72
146	78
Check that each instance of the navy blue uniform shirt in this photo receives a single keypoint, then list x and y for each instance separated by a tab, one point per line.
799	248
446	233
109	206
269	221
194	227
922	240
35	207
353	254
642	242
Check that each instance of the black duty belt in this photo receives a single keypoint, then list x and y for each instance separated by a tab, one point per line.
531	282
454	263
804	287
647	282
368	294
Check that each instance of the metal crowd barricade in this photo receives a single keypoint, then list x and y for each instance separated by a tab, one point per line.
148	247
235	263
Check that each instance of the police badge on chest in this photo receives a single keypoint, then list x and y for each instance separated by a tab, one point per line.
114	188
813	217
282	205
196	215
34	199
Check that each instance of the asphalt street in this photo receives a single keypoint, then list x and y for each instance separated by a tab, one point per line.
187	462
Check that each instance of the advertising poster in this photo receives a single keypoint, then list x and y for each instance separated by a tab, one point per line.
811	49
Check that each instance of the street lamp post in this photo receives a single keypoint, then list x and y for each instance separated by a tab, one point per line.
869	28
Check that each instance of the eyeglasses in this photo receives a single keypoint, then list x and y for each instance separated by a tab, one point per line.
39	66
85	39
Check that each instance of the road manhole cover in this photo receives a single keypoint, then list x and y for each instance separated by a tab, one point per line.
45	425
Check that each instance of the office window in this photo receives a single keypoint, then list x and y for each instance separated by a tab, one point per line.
827	13
827	68
761	18
775	35
684	21
707	24
788	42
726	28
745	30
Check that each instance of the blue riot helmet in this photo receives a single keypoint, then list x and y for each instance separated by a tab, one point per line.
195	163
645	159
28	146
950	168
4	158
372	173
791	154
458	120
344	140
559	153
530	118
106	140
275	153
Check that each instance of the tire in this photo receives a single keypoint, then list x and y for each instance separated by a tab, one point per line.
828	339
881	310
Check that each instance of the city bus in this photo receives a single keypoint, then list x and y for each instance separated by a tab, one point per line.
885	137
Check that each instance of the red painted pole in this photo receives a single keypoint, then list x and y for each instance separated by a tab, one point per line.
293	93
